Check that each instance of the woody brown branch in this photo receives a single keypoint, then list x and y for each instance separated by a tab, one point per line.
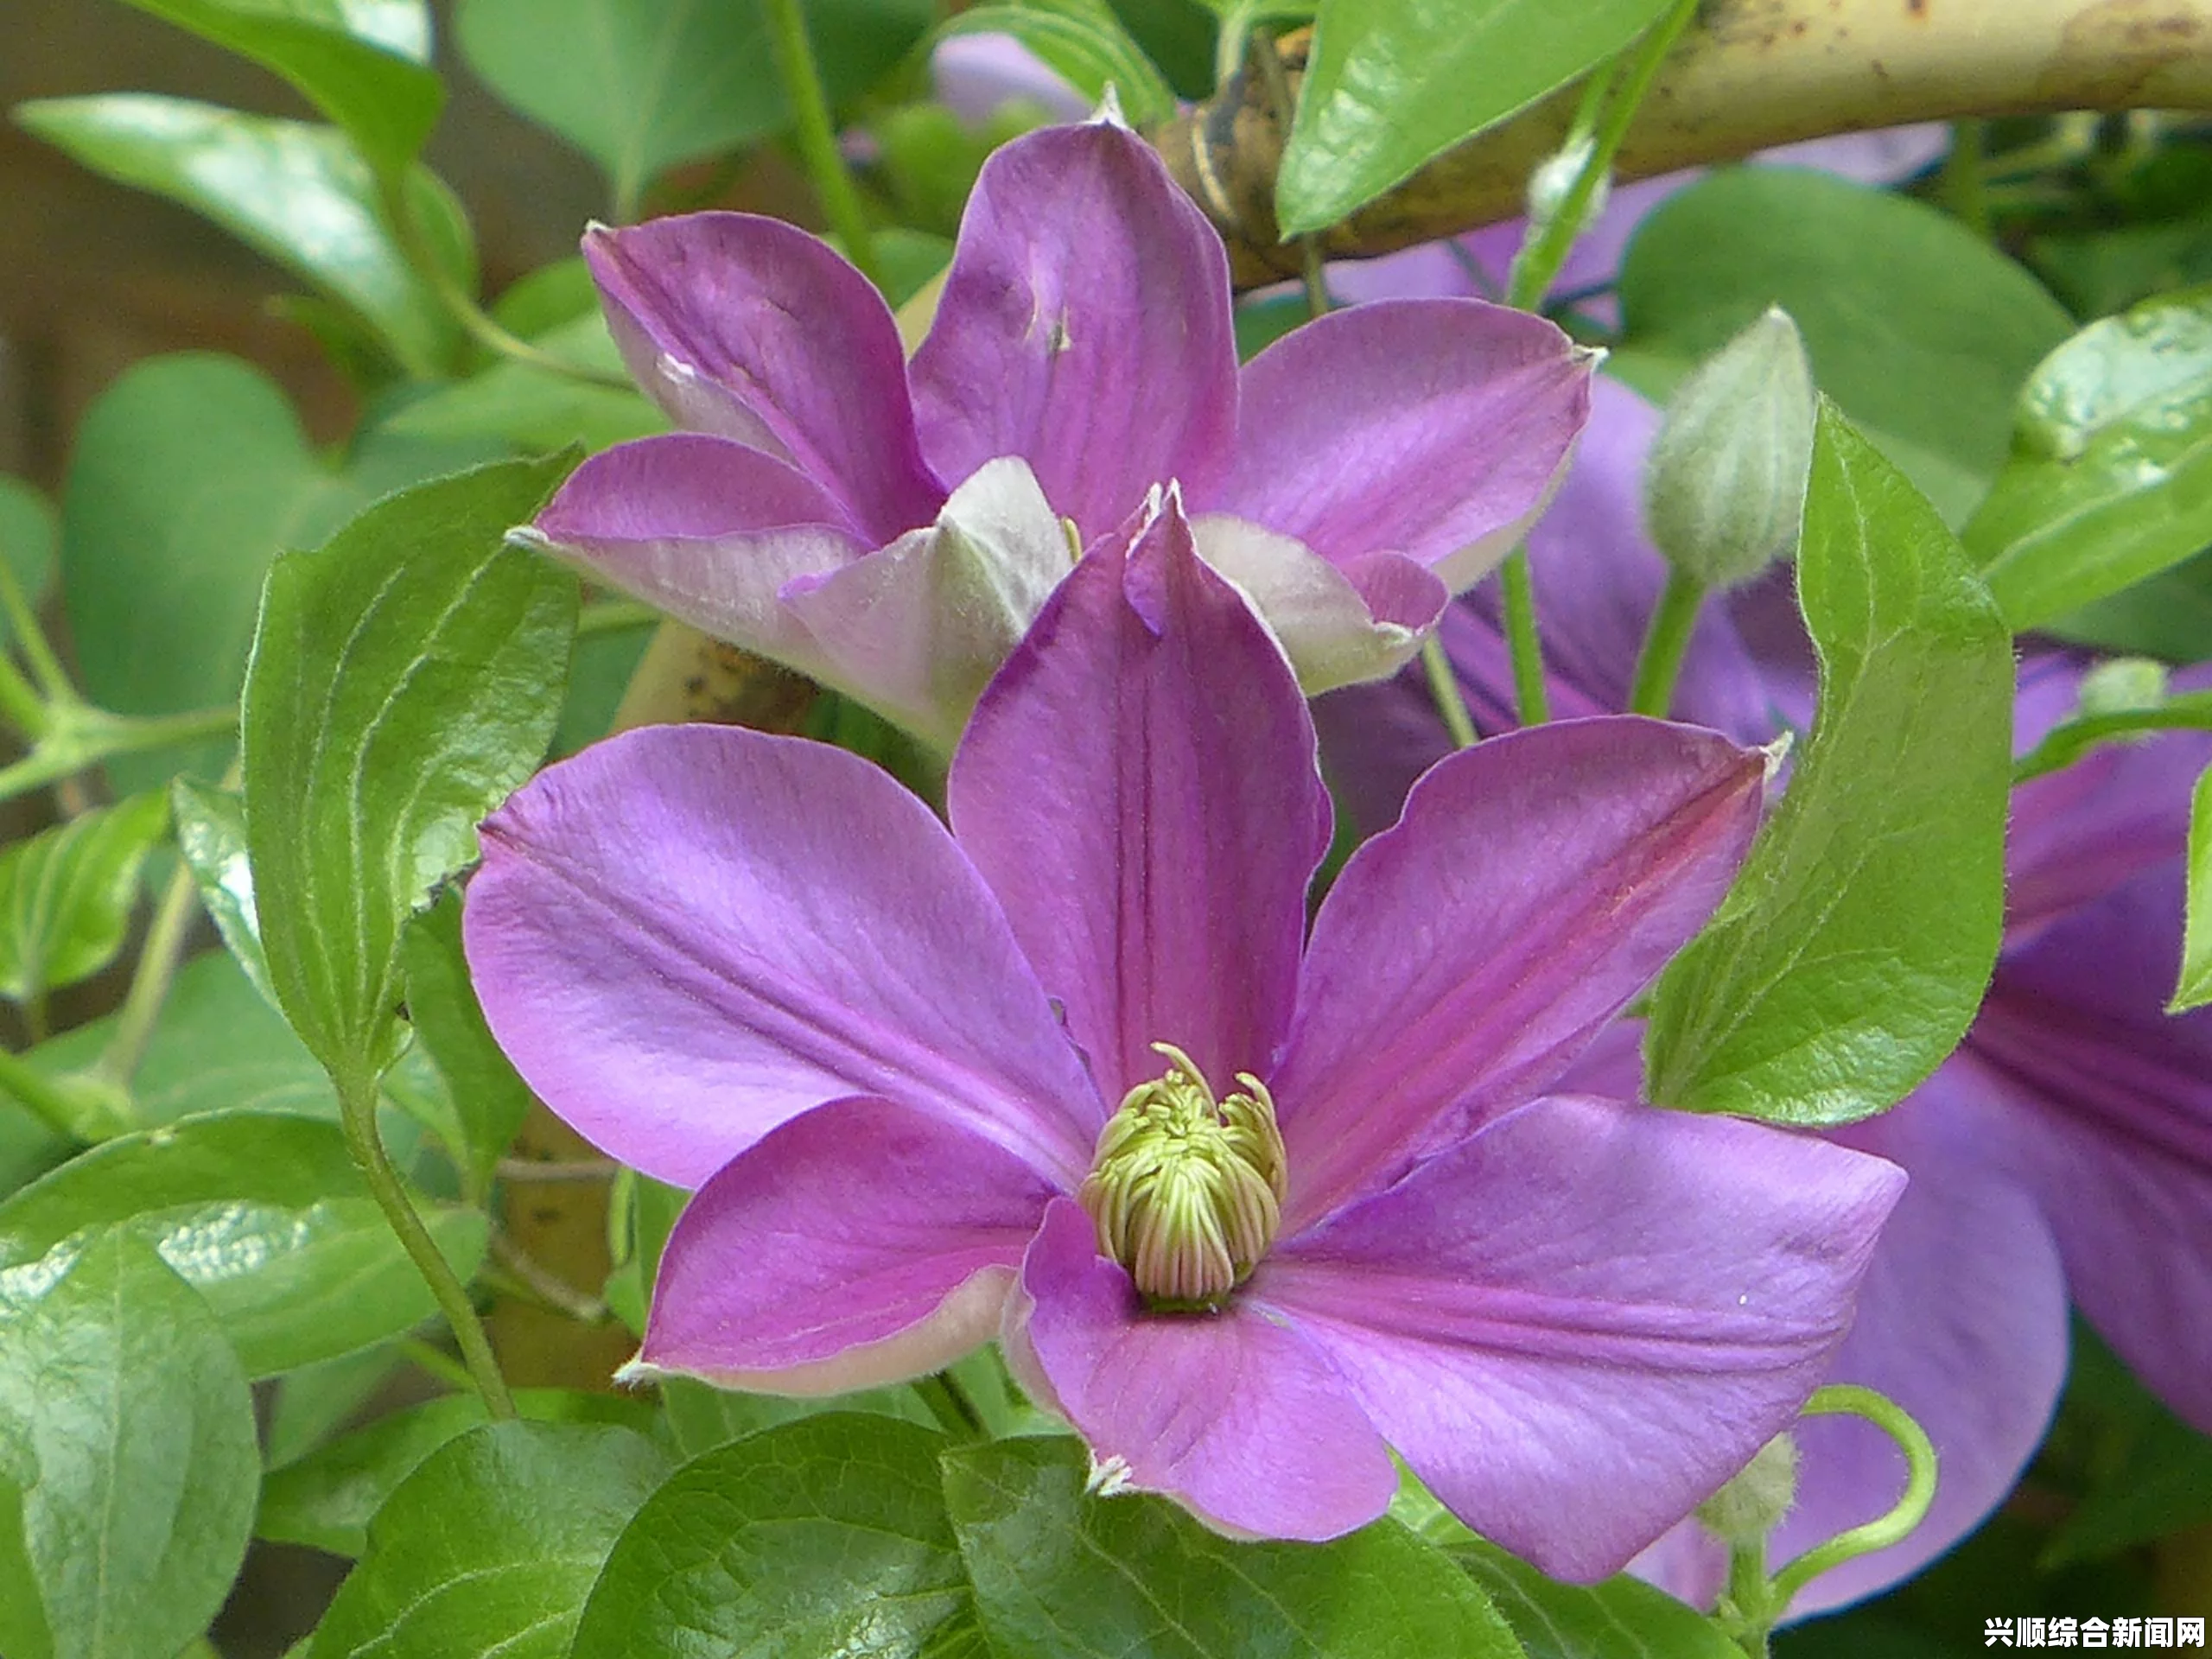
1748	75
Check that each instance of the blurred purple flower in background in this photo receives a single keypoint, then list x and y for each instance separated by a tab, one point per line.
893	1056
893	534
2066	1146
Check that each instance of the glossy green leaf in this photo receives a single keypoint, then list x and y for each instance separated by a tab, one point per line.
2168	616
827	1536
406	676
211	835
1621	1617
1850	955
66	893
264	1215
1921	331
1059	1573
2194	989
491	1545
489	1100
1391	83
702	1417
537	409
191	474
130	1427
326	1499
639	85
297	193
352	61
28	533
1086	43
2110	478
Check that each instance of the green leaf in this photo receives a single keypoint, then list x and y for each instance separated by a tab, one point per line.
2110	478
326	1499
491	1545
702	1417
264	1215
191	472
489	1100
1850	955
310	1405
211	835
344	59
1619	1618
2194	989
1391	83
1918	328
1086	43
299	193
537	409
67	894
119	1391
2168	616
1059	1573
827	1536
639	85
405	677
27	534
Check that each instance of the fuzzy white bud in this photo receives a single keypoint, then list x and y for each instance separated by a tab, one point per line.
1752	1501
1725	489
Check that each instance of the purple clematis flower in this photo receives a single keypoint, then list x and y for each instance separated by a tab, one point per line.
892	532
2066	1146
1336	1211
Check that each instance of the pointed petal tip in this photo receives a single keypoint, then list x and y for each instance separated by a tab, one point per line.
528	537
1109	110
638	1372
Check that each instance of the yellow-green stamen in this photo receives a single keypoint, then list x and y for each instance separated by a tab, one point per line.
1186	1191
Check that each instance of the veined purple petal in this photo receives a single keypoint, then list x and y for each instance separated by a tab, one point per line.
1574	1326
1432	427
858	1244
689	934
1084	327
1338	626
1240	1420
2103	1104
708	531
755	330
1139	787
919	627
1463	957
1962	1322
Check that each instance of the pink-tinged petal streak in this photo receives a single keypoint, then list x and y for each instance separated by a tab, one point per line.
687	935
860	1244
1239	1419
1435	428
708	531
1084	327
1577	1324
1139	787
2103	1105
753	329
1465	957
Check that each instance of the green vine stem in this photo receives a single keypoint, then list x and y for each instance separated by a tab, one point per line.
1659	664
1840	1398
817	136
357	1103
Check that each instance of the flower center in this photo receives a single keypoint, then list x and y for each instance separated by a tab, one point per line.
1187	1190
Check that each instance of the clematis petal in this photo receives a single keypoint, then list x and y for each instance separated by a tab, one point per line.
1084	327
687	935
2077	835
1109	788
1240	1420
1437	429
858	1244
1467	956
2103	1104
1574	1326
753	329
708	531
1337	625
919	627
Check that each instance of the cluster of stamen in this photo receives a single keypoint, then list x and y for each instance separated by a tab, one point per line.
1186	1192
